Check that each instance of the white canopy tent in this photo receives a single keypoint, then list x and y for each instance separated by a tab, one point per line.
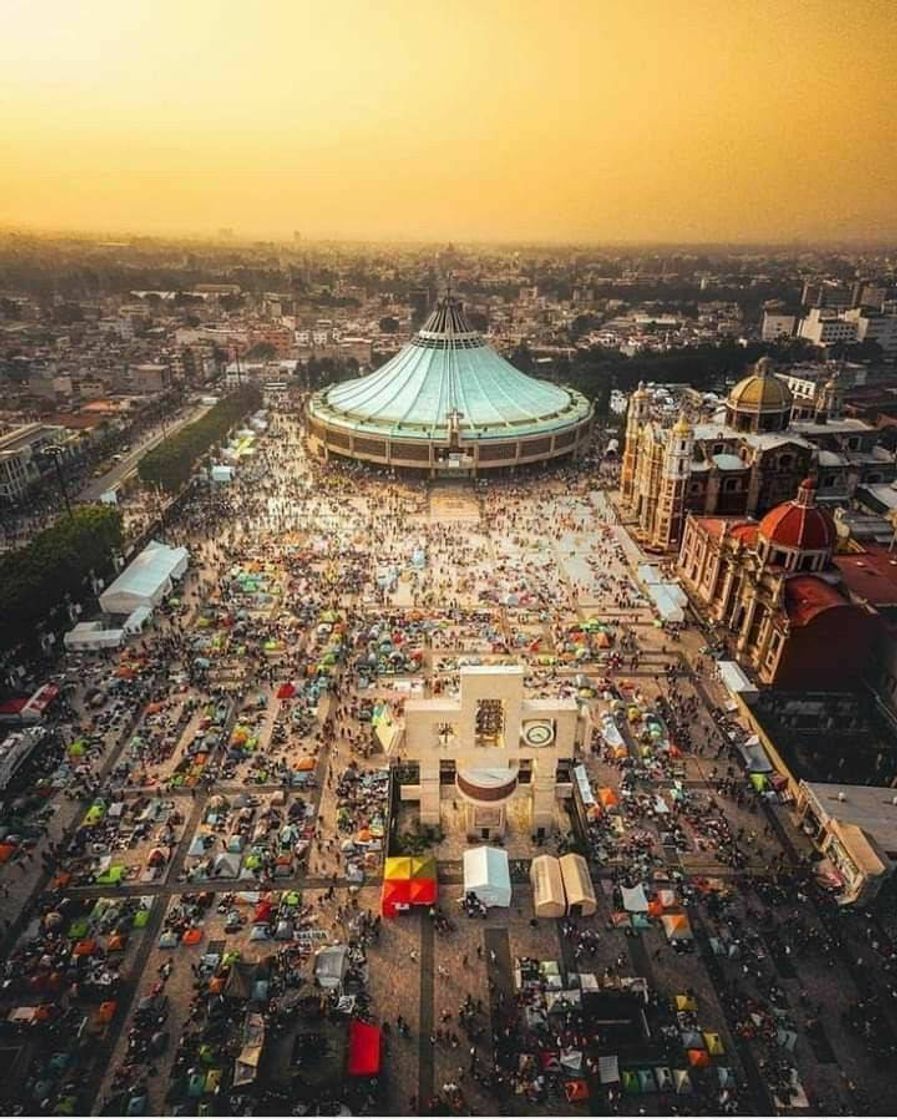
488	875
136	620
92	635
147	579
735	679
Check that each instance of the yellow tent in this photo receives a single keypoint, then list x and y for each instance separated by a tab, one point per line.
397	867
686	1003
714	1044
422	867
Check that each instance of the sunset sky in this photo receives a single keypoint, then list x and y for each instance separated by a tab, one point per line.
471	119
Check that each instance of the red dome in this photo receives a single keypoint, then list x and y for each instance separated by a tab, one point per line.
800	524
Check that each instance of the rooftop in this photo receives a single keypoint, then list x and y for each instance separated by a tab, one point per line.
447	375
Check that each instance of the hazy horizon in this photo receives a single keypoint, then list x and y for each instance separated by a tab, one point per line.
575	123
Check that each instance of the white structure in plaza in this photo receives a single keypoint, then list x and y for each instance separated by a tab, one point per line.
147	580
487	747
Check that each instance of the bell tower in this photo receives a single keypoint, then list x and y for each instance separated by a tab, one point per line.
635	419
674	478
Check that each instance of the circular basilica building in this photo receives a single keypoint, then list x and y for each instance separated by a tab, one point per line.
448	404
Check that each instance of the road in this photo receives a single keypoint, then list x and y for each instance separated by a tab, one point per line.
97	486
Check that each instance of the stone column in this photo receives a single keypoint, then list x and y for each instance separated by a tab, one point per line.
543	793
429	793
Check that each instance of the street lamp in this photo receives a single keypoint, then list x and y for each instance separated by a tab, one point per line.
55	451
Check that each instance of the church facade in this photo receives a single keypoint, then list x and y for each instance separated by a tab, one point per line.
773	588
741	457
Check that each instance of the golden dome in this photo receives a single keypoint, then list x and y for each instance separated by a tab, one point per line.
682	427
761	391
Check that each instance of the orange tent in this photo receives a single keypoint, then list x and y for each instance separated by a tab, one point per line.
576	1090
607	797
84	948
6	850
698	1059
305	764
192	937
107	1012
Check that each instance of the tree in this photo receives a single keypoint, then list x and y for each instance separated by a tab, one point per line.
262	351
36	579
170	463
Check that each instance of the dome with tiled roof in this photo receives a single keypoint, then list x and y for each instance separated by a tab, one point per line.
799	526
448	401
761	401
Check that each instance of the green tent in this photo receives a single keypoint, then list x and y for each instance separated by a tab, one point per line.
112	875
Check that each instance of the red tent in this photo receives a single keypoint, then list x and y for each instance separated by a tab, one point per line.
423	892
364	1049
286	691
396	892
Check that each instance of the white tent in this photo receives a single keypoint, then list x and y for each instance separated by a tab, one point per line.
222	473
331	965
634	899
92	635
136	620
146	580
487	875
735	680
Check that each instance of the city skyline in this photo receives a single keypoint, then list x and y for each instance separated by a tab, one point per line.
572	125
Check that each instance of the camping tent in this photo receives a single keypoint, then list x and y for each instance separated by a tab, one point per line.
330	965
487	875
549	899
578	885
146	580
364	1049
677	927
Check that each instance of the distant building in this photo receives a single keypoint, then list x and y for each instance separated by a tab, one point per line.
827	328
777	325
21	464
149	377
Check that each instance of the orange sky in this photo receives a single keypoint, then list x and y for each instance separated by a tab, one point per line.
469	119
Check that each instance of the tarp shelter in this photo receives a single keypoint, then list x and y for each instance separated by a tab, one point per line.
755	757
364	1049
487	875
609	1069
222	473
634	899
549	899
578	885
36	707
92	635
736	680
677	927
584	785
147	579
331	965
227	865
